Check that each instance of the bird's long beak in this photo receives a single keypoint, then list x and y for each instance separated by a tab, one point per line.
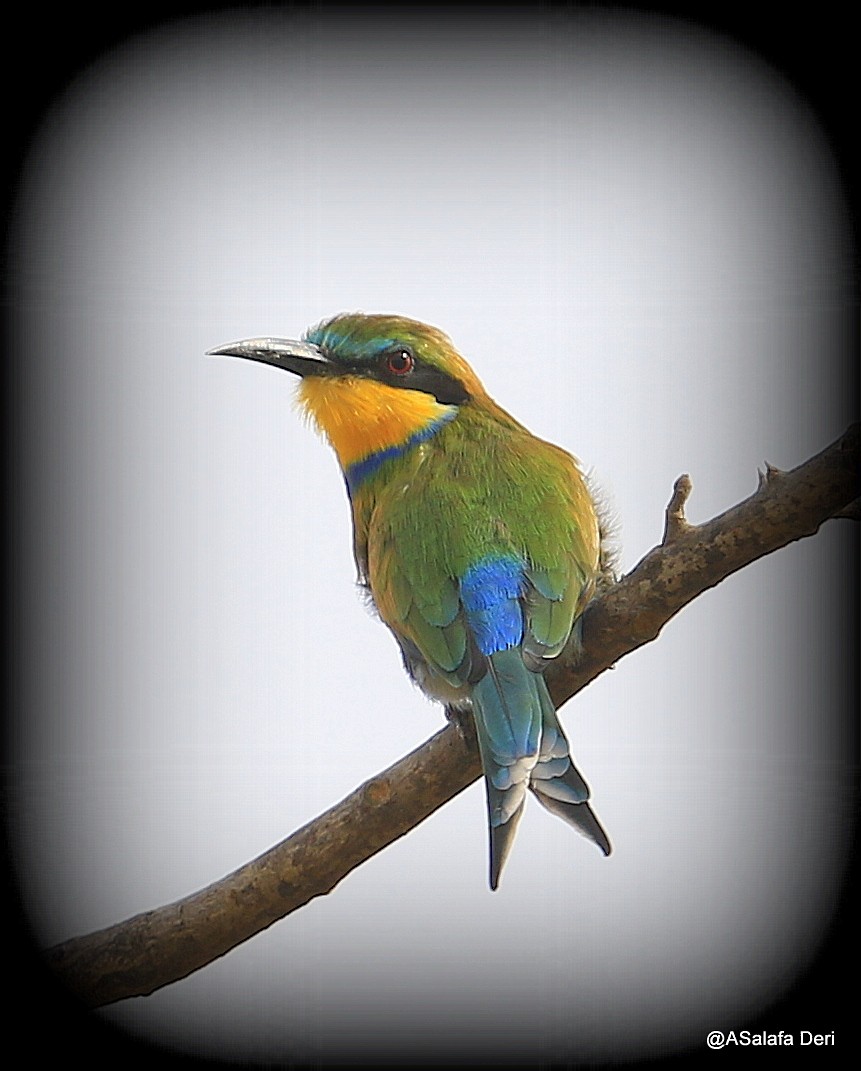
303	358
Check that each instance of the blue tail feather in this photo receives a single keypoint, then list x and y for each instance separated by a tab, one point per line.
523	746
557	783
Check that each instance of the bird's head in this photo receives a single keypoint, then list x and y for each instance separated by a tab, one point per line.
370	383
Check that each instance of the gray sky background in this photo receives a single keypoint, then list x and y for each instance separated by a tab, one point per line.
634	232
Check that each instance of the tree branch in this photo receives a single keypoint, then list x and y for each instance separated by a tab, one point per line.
693	558
156	948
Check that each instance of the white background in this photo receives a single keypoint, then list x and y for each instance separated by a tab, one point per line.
634	232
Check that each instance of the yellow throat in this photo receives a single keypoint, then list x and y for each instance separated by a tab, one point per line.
361	417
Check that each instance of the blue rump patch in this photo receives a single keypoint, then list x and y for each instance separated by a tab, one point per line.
490	591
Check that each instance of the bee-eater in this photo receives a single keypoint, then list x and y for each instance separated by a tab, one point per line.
478	542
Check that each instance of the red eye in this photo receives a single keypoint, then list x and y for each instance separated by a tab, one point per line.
400	362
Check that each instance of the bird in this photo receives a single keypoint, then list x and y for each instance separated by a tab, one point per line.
479	544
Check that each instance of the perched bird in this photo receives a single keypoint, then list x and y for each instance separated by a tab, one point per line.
478	542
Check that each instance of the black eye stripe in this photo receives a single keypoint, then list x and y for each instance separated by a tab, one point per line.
420	376
446	389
